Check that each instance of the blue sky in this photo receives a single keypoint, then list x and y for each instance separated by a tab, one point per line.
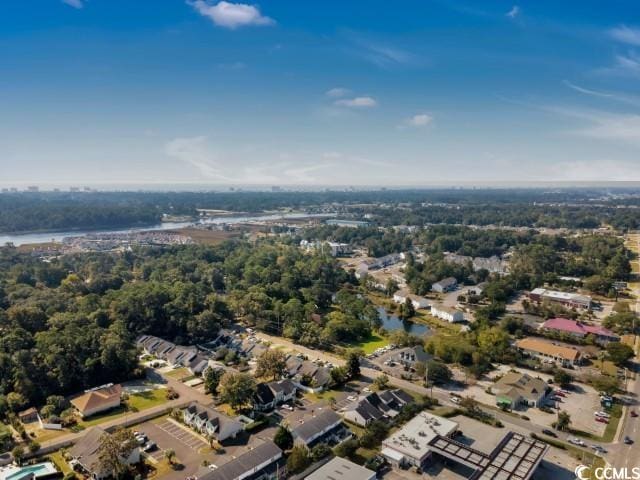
315	93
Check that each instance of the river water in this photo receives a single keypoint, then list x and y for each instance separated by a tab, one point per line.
43	237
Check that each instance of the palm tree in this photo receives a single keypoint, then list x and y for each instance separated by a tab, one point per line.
170	455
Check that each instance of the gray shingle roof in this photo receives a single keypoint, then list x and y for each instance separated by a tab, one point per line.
246	462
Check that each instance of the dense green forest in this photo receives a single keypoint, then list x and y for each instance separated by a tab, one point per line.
71	323
574	208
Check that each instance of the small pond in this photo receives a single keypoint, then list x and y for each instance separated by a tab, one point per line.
391	322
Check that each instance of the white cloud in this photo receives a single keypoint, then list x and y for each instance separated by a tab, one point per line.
238	165
337	92
74	3
419	120
231	15
514	12
605	125
194	151
357	102
384	56
625	34
628	63
587	91
614	96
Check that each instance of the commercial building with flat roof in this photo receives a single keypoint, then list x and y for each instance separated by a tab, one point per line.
411	444
341	469
428	437
574	300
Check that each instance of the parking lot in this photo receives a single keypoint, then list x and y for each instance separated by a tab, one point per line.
191	450
182	435
581	403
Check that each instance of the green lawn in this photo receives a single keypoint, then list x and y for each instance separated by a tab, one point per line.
324	395
137	402
612	426
178	373
371	344
56	458
436	323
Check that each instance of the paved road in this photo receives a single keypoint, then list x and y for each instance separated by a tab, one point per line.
622	455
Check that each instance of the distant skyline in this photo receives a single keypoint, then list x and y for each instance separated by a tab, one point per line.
405	93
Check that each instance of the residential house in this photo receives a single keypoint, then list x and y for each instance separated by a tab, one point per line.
517	389
364	267
181	356
175	355
561	354
409	356
445	285
577	329
251	347
476	289
210	422
198	364
325	426
271	394
310	377
28	416
338	249
293	364
343	469
283	390
376	406
492	264
261	462
571	300
263	399
155	346
418	302
98	400
85	454
448	314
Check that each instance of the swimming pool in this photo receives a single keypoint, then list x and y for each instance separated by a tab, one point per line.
18	473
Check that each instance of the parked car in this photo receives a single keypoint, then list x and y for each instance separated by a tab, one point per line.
150	447
455	400
576	441
634	413
628	440
602	420
550	433
286	406
602	414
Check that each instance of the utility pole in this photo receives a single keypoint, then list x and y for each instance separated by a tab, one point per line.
426	379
